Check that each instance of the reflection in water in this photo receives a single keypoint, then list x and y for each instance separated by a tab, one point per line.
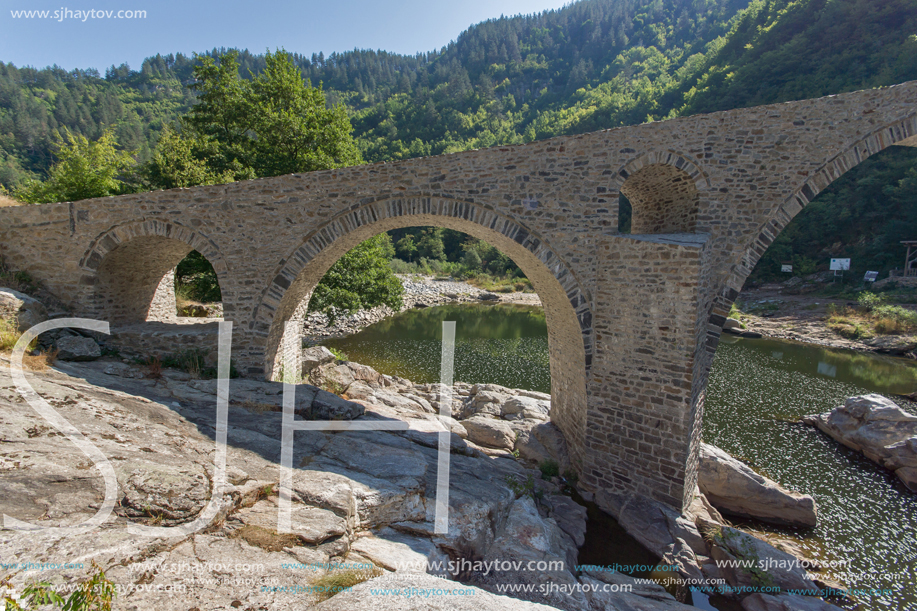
497	344
757	389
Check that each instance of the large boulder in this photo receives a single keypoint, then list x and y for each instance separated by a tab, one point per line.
77	348
878	428
749	562
24	310
656	526
526	407
486	402
316	356
325	406
732	487
569	515
527	538
490	432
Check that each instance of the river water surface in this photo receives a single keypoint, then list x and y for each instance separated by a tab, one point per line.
758	389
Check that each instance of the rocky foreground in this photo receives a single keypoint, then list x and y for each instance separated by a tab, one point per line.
362	500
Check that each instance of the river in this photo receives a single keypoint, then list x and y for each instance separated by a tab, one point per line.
757	392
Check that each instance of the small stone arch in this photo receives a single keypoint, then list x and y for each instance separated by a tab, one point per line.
568	307
664	191
128	268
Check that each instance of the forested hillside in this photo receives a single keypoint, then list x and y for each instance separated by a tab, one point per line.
591	65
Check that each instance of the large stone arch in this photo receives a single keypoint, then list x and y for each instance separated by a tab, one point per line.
568	307
664	190
127	269
902	132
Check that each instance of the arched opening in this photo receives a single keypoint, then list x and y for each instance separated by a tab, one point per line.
663	199
157	279
858	206
137	280
567	311
625	214
406	282
133	271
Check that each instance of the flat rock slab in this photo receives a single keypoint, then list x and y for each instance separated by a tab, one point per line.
396	551
311	524
419	592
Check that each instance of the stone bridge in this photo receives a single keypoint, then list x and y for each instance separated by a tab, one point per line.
633	319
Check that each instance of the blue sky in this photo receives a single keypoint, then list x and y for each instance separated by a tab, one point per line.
170	26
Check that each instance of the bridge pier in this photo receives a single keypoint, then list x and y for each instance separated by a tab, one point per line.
645	399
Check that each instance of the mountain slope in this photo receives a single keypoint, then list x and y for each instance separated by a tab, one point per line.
591	65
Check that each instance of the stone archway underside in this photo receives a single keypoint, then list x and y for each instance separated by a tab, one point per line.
654	303
567	308
129	269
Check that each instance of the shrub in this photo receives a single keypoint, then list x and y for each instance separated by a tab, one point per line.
93	594
192	361
734	312
870	301
549	468
896	316
154	368
9	334
338	354
17	280
403	267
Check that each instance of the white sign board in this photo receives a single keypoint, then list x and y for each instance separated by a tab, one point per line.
871	277
840	265
786	268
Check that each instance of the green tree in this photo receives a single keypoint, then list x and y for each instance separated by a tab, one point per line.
274	124
182	162
83	170
430	246
405	248
360	279
294	130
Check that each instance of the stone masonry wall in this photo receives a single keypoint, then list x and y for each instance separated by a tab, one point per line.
163	307
641	393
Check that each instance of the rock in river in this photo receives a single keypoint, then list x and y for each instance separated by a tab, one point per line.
732	487
878	428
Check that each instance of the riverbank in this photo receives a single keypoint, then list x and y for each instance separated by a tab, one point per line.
780	311
419	292
371	509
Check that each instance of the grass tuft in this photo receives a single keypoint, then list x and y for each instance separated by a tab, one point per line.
268	540
337	581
